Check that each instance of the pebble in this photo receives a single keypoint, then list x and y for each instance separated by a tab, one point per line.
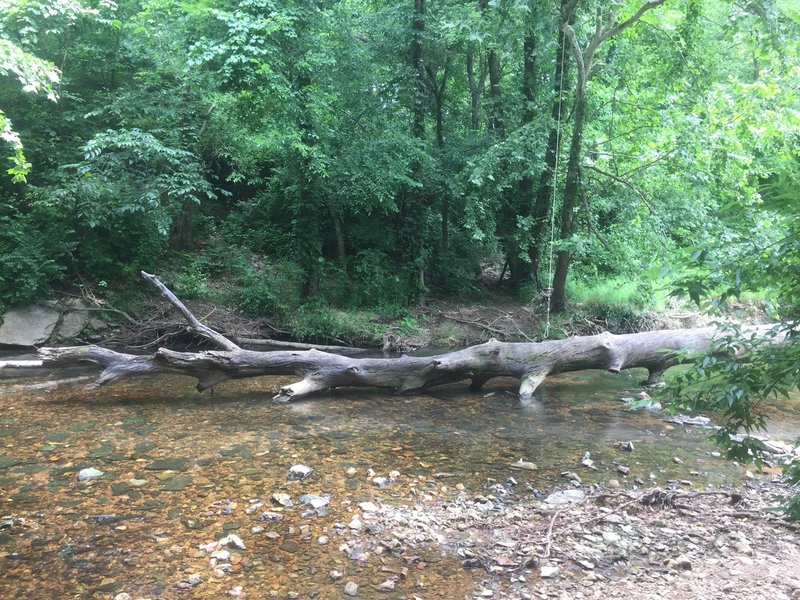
368	507
547	571
323	539
613	483
300	472
123	596
235	592
611	537
677	460
315	501
89	474
623	469
380	481
336	575
271	516
137	482
221	554
232	540
351	589
355	524
282	499
386	586
351	471
681	562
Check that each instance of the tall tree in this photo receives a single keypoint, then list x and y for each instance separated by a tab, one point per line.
605	28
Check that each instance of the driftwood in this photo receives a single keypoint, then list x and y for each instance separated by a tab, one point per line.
655	351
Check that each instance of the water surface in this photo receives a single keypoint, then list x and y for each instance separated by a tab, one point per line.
182	469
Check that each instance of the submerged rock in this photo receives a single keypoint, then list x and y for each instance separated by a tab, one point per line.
89	474
351	589
300	472
524	465
282	499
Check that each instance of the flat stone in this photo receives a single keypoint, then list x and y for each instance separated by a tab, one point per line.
524	465
28	326
548	572
176	484
119	488
368	507
168	464
290	546
565	497
9	461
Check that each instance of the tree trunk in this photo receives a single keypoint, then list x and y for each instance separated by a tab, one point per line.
558	298
319	371
544	193
475	87
496	121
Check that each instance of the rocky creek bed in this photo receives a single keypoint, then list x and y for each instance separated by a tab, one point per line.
142	490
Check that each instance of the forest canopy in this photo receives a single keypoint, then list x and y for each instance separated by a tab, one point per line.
371	153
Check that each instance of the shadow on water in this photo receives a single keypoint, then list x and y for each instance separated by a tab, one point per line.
181	469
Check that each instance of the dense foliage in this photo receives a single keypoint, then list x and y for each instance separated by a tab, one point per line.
369	154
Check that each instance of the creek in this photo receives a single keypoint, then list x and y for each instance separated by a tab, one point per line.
181	469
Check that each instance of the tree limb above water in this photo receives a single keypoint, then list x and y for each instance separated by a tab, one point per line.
531	363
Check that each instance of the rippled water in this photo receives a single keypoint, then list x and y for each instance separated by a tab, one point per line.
197	462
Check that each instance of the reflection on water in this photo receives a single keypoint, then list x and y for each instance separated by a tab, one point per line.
182	469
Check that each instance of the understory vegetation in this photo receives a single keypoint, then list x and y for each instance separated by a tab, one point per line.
334	165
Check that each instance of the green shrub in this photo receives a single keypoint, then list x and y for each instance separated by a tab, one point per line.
35	247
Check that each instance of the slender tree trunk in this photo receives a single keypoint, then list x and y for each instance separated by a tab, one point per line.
571	197
496	121
338	230
475	87
544	192
412	203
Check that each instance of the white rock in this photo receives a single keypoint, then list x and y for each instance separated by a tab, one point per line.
232	540
89	474
368	507
548	572
351	589
221	554
355	524
300	472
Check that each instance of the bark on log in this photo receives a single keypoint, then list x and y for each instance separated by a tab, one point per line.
655	351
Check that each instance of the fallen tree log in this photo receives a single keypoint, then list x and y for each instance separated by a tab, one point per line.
655	351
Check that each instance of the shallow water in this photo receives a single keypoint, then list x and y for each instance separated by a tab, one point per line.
198	461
